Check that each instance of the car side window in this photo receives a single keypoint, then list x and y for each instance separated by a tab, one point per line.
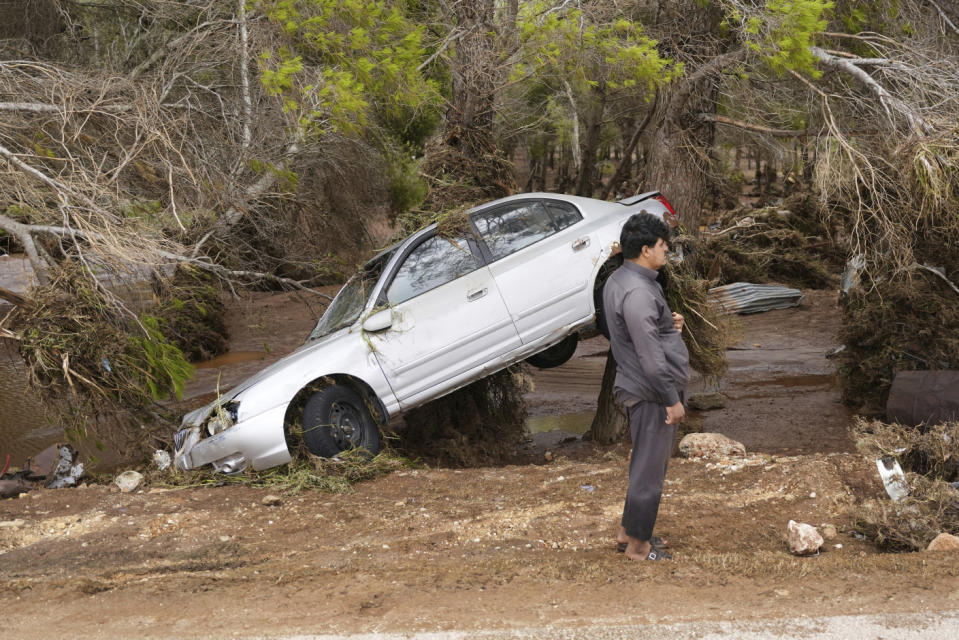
434	262
564	214
507	230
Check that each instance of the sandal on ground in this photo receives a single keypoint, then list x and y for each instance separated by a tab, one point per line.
658	554
656	542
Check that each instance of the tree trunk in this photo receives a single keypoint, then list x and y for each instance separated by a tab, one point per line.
609	423
590	147
469	119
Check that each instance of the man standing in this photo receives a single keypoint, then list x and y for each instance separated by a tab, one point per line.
652	370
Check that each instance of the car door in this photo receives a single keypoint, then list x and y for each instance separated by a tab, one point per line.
449	320
542	262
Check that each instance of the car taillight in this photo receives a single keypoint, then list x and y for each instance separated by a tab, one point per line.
672	216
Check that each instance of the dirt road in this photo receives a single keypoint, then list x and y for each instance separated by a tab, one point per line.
520	546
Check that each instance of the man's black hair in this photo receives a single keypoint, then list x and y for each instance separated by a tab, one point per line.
642	229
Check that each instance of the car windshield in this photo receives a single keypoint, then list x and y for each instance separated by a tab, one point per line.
351	300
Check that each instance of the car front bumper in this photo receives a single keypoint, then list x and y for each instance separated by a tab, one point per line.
258	441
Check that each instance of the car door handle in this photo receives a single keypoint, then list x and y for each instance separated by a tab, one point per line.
475	295
580	243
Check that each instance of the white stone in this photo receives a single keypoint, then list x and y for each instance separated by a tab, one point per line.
710	445
128	481
803	538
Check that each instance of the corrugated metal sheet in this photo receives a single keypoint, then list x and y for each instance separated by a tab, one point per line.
745	297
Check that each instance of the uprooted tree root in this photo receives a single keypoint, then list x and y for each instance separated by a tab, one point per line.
788	245
75	339
706	330
480	424
930	457
908	322
99	367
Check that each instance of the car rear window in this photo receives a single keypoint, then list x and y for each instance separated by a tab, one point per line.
508	229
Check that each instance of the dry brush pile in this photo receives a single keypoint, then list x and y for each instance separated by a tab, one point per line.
930	457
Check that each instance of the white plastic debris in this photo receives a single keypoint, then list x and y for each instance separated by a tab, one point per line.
161	459
893	478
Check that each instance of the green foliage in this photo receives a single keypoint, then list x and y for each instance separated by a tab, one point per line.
407	188
343	61
162	367
784	31
567	44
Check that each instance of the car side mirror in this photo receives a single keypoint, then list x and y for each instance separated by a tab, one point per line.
378	321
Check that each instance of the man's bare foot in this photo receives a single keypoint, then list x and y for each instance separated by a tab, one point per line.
621	537
637	549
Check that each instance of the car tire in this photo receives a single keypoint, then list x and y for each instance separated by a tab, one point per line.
607	270
556	355
336	419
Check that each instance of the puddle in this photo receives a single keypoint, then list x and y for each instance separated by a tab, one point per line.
233	357
570	422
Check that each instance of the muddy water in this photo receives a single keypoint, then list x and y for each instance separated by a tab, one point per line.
577	423
23	429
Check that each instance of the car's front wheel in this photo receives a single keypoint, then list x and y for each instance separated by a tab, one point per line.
556	355
336	419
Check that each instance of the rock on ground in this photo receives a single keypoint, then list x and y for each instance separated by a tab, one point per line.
706	401
803	538
710	445
944	542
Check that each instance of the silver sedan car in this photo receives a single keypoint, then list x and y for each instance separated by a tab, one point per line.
516	279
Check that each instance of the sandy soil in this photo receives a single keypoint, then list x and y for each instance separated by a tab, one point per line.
525	545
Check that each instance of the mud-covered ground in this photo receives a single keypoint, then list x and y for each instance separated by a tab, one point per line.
523	545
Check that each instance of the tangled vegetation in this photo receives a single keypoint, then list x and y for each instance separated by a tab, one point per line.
789	245
706	330
305	472
480	424
930	458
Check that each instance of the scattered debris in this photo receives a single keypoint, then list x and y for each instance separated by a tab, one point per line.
928	460
944	542
710	445
803	538
892	478
923	397
707	401
128	481
55	467
746	297
161	459
850	275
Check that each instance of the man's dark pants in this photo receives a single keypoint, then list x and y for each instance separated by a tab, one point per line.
652	445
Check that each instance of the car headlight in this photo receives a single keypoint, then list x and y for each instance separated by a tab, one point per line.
222	418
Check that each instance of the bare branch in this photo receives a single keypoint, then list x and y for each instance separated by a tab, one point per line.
945	18
889	102
783	133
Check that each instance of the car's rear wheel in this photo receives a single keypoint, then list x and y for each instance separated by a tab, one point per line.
556	355
336	419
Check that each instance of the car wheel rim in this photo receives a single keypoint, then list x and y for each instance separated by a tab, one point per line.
344	425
